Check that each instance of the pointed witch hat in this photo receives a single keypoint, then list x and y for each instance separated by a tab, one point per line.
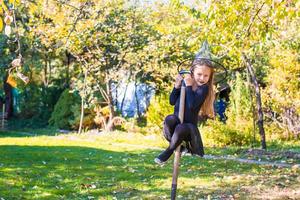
204	53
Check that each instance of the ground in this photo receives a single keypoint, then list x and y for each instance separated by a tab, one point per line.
118	165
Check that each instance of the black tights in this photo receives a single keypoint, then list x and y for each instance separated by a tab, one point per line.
175	133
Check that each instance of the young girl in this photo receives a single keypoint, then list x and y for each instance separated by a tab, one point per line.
198	101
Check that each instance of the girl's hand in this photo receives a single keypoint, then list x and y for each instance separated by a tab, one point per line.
178	81
188	80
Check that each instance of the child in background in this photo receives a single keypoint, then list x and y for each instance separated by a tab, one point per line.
198	101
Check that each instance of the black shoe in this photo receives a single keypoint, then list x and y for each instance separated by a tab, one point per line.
163	157
158	161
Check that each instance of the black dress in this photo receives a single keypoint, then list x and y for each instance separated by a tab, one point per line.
193	103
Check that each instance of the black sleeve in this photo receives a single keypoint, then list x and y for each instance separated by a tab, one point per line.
174	95
196	98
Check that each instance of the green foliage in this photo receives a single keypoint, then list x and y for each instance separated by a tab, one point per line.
6	58
67	112
113	40
159	108
36	103
152	122
216	133
63	114
282	94
88	118
239	110
238	129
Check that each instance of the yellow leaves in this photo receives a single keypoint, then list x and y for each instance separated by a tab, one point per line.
283	80
1	11
6	13
287	60
1	24
33	8
17	2
3	6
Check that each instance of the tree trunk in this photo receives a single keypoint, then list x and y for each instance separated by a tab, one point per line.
137	100
112	114
50	71
116	97
260	122
148	97
67	81
82	103
252	107
46	73
8	99
123	99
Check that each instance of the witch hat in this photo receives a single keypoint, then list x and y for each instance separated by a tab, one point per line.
204	53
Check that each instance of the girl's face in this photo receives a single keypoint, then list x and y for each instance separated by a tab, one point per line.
201	74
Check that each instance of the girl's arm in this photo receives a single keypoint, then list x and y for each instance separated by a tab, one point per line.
176	90
196	98
174	95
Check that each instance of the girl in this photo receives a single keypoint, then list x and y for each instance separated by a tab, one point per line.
198	101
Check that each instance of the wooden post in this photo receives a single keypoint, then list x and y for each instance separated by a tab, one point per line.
177	151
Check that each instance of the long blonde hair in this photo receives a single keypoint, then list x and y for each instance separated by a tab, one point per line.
207	108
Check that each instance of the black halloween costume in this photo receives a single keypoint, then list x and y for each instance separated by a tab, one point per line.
175	132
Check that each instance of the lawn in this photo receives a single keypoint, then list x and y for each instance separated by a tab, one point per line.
44	165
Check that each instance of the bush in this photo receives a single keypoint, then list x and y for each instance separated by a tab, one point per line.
159	108
216	133
63	113
281	95
238	129
37	103
152	121
88	119
67	111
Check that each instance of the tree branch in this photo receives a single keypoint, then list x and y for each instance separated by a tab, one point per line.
253	19
75	22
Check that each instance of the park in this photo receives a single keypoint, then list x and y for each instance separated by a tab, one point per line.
89	90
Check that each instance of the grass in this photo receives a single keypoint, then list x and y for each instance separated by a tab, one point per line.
120	166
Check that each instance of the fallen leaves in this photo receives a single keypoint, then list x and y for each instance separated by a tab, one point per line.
88	186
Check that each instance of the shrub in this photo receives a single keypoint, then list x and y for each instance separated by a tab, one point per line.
159	108
63	113
67	111
37	103
88	119
152	121
216	133
238	129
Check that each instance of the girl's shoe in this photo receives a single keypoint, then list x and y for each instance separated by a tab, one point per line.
158	161
163	157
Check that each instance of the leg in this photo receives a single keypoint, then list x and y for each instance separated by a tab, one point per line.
170	123
182	132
